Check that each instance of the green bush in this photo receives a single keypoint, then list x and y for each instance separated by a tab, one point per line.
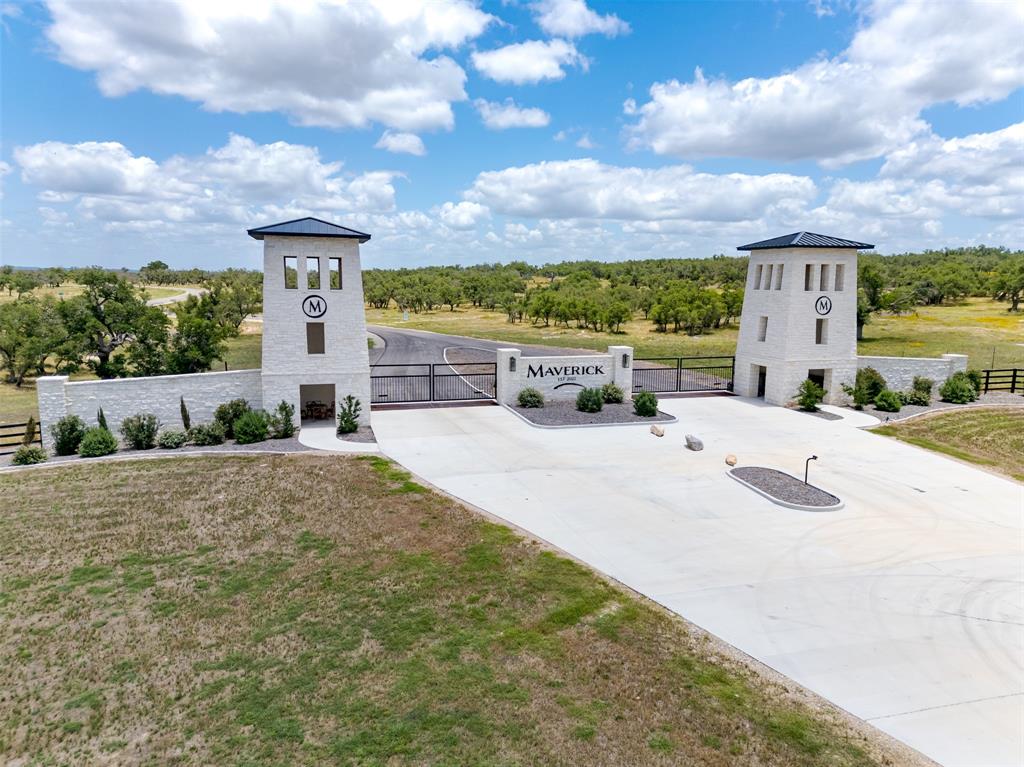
67	434
348	415
868	383
612	394
923	385
205	434
530	397
590	401
172	439
915	398
645	404
97	441
30	431
282	420
958	389
809	396
26	455
975	377
888	401
252	426
139	431
228	413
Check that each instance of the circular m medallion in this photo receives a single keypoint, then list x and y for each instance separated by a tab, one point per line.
823	305
314	306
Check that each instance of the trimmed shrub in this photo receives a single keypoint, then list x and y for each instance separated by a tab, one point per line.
975	377
97	441
30	431
67	434
139	431
915	398
868	383
612	394
205	434
590	401
645	404
958	389
101	419
282	423
228	413
348	415
252	426
26	455
888	401
530	397
172	439
923	385
186	419
809	396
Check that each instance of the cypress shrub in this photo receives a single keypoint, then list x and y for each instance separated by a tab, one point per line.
67	434
590	401
645	404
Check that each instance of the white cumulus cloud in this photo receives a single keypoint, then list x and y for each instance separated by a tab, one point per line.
463	215
529	62
401	143
501	116
859	105
572	18
328	63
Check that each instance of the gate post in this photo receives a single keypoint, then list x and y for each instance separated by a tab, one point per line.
507	376
622	367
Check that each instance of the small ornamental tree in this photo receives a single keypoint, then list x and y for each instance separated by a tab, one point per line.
101	419
888	401
252	426
645	404
30	431
282	423
809	396
613	395
590	401
186	419
348	415
228	413
67	434
97	441
140	431
868	383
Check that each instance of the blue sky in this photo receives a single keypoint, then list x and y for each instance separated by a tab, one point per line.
462	133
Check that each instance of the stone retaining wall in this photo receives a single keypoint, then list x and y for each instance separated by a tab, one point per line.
160	395
899	372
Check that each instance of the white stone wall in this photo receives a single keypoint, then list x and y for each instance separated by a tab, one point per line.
562	378
160	395
899	372
286	364
789	349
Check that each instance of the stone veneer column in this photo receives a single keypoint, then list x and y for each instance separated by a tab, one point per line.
622	374
52	405
507	381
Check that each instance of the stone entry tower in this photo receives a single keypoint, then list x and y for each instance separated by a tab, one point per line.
799	317
314	322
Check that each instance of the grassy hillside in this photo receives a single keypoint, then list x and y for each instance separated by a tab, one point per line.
328	610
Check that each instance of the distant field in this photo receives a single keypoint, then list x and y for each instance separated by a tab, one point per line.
69	290
977	328
329	610
990	437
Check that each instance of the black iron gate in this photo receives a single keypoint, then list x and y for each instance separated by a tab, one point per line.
683	374
432	382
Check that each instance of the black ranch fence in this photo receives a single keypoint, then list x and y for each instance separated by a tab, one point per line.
683	374
432	382
12	436
1007	379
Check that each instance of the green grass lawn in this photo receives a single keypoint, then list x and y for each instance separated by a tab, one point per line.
320	609
71	289
989	437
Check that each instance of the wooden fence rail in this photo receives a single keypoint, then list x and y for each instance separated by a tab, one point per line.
1007	379
12	436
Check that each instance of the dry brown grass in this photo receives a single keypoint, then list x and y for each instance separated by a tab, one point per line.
313	609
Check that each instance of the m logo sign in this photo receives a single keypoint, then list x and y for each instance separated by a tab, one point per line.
314	306
823	305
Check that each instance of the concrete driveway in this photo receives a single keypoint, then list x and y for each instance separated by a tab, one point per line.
906	607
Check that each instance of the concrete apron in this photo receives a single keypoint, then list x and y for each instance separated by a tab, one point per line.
904	608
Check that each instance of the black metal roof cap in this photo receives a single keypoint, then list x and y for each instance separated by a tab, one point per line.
308	227
805	240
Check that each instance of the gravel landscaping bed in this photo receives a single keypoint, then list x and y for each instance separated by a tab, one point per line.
564	413
364	434
992	398
784	487
824	414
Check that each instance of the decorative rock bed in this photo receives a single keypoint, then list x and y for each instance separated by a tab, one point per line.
785	489
563	413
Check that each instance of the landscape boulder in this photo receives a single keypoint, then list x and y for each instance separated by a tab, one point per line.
657	431
730	459
693	443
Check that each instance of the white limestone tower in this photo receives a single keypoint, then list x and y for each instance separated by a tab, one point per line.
314	322
799	317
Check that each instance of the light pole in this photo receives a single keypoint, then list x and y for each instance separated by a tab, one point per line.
807	465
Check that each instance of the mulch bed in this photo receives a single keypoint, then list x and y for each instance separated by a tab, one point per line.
564	413
784	487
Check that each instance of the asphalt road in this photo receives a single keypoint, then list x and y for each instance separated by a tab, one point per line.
414	347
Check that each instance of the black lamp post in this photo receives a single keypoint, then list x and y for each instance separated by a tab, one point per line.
807	465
